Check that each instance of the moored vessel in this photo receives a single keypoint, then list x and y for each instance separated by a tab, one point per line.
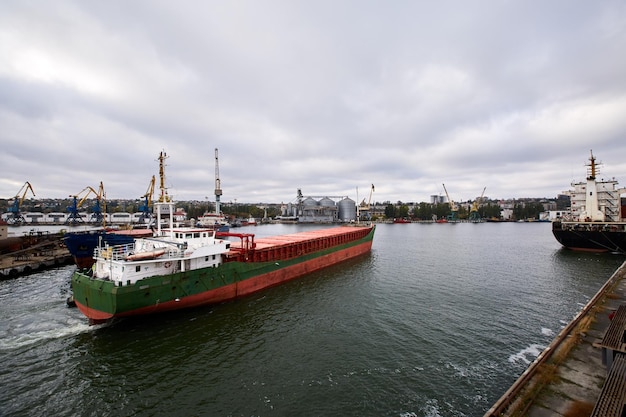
81	245
595	223
214	221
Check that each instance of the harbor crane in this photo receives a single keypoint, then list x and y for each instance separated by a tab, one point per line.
74	216
454	210
365	207
218	189
16	217
146	207
474	215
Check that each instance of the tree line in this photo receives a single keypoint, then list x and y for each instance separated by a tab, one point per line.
428	211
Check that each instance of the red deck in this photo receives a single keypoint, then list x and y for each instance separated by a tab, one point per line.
297	244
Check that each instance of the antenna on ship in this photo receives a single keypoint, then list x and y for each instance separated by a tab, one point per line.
218	189
592	166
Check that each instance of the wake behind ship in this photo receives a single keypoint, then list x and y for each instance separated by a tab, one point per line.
596	223
188	266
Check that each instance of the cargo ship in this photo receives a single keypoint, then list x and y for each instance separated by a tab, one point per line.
596	222
184	267
189	267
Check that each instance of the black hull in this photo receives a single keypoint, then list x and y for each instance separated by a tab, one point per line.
591	237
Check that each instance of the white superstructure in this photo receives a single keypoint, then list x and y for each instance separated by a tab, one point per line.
595	201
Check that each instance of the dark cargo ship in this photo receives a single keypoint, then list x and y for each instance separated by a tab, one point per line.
596	223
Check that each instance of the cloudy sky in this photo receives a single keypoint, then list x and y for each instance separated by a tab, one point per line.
327	96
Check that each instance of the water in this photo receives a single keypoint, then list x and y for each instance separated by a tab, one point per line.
439	320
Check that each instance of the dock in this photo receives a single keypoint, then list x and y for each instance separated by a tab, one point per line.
583	371
46	254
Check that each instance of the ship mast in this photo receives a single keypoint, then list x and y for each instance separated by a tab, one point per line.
218	189
592	212
164	198
592	167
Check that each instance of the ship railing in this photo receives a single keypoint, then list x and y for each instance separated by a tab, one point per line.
594	226
121	252
116	253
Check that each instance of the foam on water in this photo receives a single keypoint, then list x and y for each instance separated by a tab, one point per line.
531	351
17	338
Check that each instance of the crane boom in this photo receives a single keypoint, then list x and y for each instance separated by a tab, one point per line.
476	204
145	207
149	192
450	201
97	216
474	215
16	217
25	189
218	189
452	217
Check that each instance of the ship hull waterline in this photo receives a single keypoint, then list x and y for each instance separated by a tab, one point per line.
611	239
100	301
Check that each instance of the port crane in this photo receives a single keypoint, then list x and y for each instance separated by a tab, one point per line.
218	189
16	217
145	208
74	216
474	215
365	207
454	210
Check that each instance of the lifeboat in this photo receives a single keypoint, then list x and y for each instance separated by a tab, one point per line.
140	256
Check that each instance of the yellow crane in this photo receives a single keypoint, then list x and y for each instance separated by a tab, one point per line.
365	207
16	216
453	216
474	215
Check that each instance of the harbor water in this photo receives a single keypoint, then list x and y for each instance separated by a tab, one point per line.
439	320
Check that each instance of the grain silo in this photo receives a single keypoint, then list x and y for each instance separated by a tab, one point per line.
347	210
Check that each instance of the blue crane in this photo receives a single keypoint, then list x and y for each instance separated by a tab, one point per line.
98	208
16	217
146	207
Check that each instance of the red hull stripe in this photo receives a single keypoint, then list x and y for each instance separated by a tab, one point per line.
592	250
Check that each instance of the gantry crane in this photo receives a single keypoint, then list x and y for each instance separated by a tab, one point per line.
218	189
74	216
16	216
454	210
474	215
146	207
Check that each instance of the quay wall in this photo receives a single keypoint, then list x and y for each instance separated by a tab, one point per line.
45	255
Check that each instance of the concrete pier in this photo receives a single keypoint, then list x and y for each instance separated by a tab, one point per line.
567	378
47	254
